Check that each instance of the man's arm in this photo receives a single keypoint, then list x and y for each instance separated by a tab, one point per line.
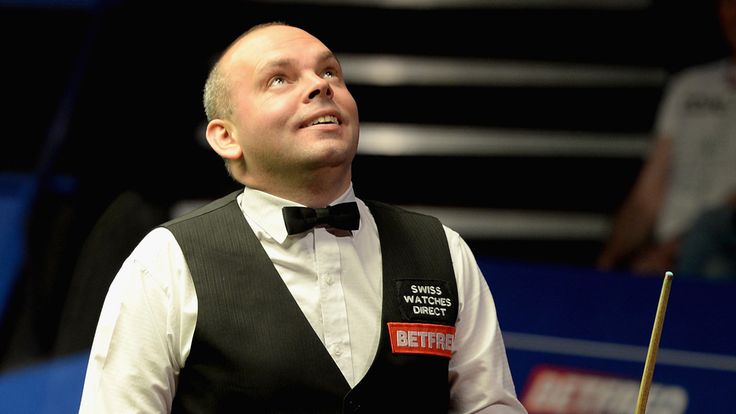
633	225
480	378
137	354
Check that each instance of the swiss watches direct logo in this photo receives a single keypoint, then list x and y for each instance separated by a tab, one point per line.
426	301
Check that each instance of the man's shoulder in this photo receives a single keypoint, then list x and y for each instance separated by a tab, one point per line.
210	207
700	73
393	214
390	208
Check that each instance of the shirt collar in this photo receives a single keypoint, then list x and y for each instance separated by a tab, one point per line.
263	210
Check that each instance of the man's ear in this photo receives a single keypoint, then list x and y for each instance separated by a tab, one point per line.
220	137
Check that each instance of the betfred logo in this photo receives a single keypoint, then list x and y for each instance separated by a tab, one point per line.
558	390
421	338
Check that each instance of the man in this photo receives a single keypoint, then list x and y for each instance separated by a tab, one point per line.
239	306
680	213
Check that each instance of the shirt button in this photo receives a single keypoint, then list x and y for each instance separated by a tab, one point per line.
338	351
329	280
353	406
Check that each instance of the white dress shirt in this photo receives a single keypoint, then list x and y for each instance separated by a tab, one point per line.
146	326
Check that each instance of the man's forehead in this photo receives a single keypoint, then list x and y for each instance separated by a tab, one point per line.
278	60
268	51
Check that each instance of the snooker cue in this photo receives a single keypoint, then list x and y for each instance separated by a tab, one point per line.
646	379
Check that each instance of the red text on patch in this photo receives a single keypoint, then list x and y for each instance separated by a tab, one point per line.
421	338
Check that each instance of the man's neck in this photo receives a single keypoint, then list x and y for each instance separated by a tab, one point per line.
311	190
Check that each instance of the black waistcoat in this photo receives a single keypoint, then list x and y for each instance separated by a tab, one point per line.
253	349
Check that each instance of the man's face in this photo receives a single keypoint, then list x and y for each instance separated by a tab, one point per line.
292	111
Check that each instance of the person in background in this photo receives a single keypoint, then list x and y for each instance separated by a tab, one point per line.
292	295
680	213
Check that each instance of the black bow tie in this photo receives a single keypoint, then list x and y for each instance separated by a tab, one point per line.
342	216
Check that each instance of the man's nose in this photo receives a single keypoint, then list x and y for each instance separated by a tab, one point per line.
320	87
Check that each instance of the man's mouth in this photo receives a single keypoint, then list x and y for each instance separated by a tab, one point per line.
327	119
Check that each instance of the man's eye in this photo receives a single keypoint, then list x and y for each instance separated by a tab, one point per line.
329	74
277	81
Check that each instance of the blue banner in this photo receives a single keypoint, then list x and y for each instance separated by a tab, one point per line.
577	339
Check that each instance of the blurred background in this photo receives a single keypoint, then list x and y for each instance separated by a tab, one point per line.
522	124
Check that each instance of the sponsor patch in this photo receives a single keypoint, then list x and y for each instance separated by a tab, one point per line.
426	300
421	338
